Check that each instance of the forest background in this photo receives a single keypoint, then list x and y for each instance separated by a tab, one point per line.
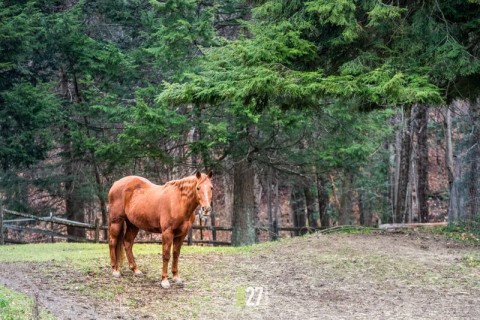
311	113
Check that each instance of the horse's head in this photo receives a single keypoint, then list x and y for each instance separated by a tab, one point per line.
203	192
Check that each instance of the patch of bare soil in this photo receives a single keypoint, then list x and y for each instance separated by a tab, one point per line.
381	276
61	300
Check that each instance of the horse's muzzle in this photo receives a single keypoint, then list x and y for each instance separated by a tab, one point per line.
205	211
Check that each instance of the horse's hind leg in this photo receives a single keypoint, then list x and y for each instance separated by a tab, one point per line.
130	235
114	232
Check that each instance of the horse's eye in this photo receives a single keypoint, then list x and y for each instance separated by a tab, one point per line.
198	188
211	188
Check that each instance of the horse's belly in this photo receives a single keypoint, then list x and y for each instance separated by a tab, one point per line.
144	219
153	230
144	223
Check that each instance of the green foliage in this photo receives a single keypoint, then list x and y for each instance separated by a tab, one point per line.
17	306
340	14
182	29
267	68
19	35
472	260
352	138
150	128
302	86
382	14
26	115
281	68
349	230
372	180
464	231
343	66
27	109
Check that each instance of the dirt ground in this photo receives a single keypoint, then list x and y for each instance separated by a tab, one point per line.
339	276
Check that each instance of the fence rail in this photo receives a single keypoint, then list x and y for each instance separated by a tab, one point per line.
11	224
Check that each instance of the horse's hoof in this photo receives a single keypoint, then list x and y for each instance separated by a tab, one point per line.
116	274
177	280
165	284
138	273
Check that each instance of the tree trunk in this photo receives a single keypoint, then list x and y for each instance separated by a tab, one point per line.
404	169
258	191
311	203
345	216
101	196
270	203
395	161
98	180
473	156
473	186
276	211
322	200
335	201
298	209
191	137
228	196
363	216
421	125
74	206
453	212
244	204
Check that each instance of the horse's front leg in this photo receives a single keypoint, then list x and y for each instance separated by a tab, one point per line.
167	239
177	245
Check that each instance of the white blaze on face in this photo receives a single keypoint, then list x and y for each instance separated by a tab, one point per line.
205	190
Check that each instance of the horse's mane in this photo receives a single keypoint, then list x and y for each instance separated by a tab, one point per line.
185	185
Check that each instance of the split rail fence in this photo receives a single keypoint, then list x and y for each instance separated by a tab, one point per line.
52	221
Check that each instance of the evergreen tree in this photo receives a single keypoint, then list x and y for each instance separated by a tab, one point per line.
301	57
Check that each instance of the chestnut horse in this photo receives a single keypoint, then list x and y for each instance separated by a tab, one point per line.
135	203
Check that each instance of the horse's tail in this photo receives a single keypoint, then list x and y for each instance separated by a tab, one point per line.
119	248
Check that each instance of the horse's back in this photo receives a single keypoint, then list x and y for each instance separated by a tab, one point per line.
122	190
128	183
128	180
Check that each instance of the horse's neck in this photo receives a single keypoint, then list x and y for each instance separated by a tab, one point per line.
186	187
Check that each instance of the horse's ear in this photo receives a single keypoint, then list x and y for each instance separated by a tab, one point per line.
198	174
210	174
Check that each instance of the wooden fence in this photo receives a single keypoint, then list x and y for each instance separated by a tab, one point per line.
52	220
97	227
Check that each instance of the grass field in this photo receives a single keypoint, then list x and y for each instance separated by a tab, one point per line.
376	276
17	306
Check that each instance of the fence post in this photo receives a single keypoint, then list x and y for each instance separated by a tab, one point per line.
275	230
2	240
190	236
97	230
51	227
212	220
